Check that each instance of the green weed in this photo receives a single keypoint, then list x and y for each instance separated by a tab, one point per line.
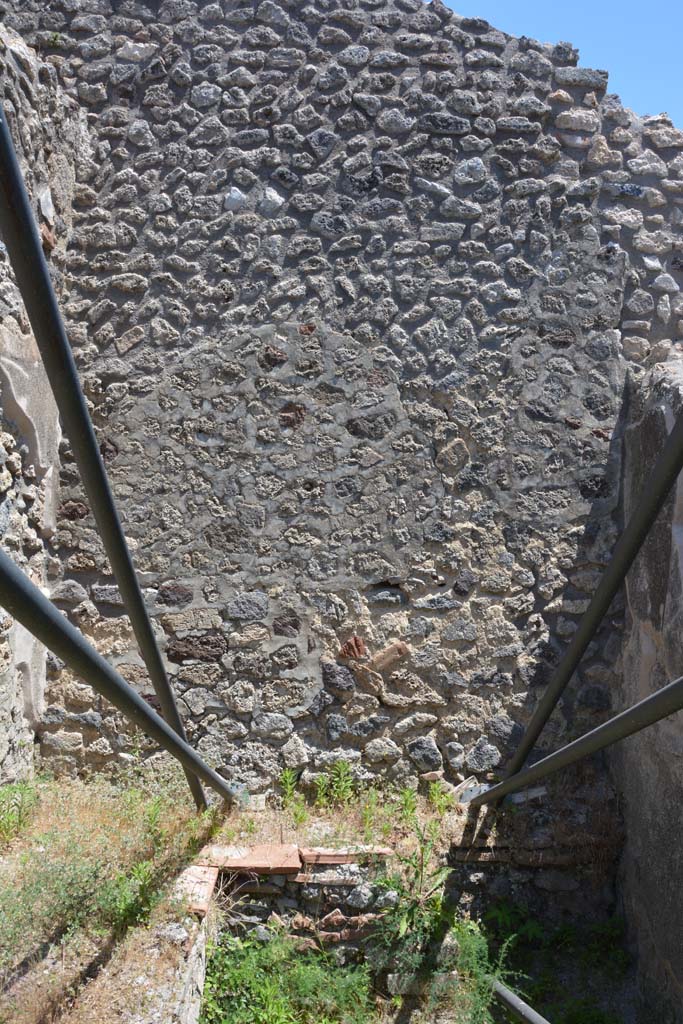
299	811
582	1011
407	806
418	935
90	853
370	813
322	790
128	899
153	812
288	782
405	929
342	787
439	798
477	971
540	954
250	982
17	800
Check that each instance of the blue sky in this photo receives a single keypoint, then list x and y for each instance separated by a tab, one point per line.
640	44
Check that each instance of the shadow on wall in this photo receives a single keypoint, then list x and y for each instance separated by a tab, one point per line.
648	767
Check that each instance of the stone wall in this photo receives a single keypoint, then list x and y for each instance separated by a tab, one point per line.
47	128
354	289
649	766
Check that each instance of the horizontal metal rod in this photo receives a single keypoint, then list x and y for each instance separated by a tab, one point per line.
654	494
517	1006
20	234
25	602
646	712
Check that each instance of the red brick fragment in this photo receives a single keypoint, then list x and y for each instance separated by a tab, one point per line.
348	855
353	648
300	922
262	859
195	886
335	919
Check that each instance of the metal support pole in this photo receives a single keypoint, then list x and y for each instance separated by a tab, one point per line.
20	235
657	487
517	1006
646	712
24	601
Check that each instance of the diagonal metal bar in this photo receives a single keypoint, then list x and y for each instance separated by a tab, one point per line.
517	1007
655	492
20	234
25	602
661	704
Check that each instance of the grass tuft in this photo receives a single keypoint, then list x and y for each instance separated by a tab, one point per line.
91	855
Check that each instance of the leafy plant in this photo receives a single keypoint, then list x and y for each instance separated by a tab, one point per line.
322	790
251	982
299	811
128	899
288	781
439	798
17	800
508	920
153	813
477	971
407	806
342	787
581	1010
371	813
606	940
406	927
292	800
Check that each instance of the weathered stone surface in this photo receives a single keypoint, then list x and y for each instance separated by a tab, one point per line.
203	647
425	754
249	606
483	756
272	726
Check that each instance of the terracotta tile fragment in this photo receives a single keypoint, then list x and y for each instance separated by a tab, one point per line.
334	919
261	859
195	887
347	855
353	648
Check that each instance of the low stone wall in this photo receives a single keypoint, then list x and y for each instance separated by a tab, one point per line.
649	766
